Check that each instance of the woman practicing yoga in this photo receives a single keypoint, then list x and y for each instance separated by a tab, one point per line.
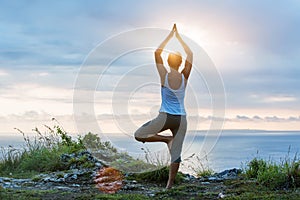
172	113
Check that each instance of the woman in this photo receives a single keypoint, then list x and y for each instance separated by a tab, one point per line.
172	113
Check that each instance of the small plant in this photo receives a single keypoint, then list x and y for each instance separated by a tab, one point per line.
199	166
156	159
11	158
36	178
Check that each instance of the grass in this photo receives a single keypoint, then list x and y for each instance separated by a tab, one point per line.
159	160
239	189
249	189
275	175
57	194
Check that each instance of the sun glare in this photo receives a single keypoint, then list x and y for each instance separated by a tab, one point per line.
201	37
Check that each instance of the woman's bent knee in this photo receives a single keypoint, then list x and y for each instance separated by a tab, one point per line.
137	135
139	139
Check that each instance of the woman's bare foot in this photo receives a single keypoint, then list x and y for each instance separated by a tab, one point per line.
172	174
169	187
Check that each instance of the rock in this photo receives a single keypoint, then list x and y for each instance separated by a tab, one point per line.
224	175
63	188
66	176
5	179
214	178
229	174
205	183
53	177
75	185
81	160
151	195
221	195
131	185
77	177
65	157
74	176
189	177
98	164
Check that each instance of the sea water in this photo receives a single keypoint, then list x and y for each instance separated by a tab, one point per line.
231	149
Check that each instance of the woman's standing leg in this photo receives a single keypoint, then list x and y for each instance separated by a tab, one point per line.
176	149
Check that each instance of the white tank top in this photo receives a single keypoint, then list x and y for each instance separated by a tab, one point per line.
172	100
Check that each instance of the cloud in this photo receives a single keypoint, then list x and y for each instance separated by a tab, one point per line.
40	74
3	73
275	99
239	117
31	92
265	119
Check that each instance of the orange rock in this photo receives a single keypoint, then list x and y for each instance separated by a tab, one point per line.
109	180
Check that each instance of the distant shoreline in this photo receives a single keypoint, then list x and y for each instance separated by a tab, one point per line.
189	131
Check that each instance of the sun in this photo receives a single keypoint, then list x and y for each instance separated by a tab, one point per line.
200	36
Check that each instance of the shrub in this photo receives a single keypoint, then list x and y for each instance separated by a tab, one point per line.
93	142
273	176
40	154
280	175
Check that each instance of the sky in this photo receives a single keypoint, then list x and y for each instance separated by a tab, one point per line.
254	45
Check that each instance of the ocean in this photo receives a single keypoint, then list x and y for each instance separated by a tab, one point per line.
232	149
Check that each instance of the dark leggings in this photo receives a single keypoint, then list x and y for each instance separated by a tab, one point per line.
176	123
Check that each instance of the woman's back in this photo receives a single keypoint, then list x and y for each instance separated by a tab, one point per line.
174	80
173	97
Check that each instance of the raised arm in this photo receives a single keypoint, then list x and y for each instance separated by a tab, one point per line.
189	58
158	59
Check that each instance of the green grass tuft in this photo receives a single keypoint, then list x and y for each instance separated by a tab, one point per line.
160	176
